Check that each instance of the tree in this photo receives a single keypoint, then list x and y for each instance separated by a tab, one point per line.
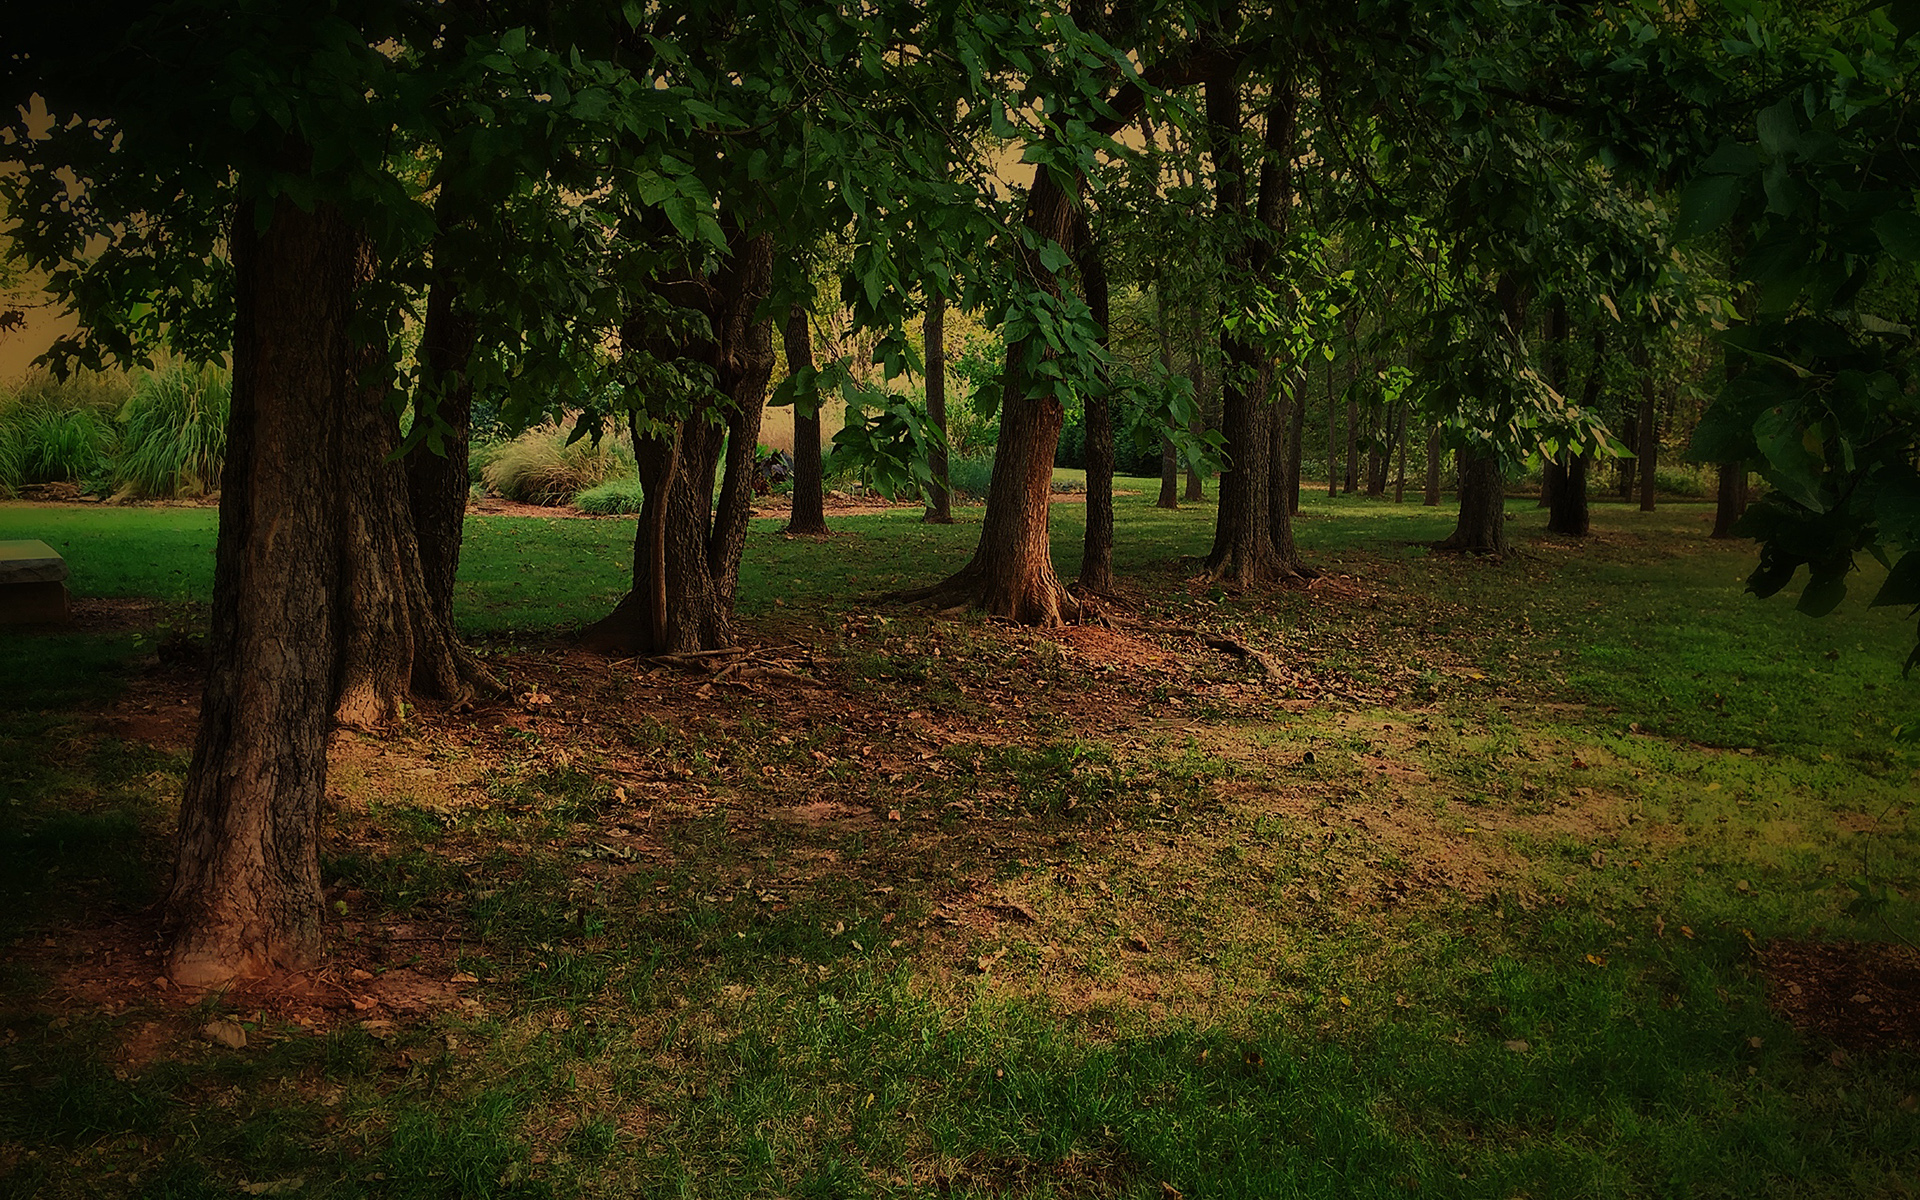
808	517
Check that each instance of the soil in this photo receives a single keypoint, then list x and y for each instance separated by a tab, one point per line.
1856	995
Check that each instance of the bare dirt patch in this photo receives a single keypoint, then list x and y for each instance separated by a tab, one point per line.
1858	995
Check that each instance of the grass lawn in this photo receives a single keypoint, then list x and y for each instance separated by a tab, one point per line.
1583	874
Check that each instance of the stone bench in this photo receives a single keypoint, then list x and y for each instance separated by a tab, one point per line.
33	586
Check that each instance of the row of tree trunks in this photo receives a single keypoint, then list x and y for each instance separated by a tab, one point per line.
808	516
687	544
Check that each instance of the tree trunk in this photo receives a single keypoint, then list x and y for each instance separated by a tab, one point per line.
1197	374
686	560
1379	438
1253	534
1731	499
808	516
1648	442
1569	514
394	642
1011	573
934	332
1400	439
437	483
1436	452
245	896
1296	446
1352	482
1096	557
1169	453
1482	527
1333	437
1553	466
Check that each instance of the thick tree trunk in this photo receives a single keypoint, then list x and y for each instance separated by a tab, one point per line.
1730	498
1379	438
1648	443
1011	573
1482	527
394	642
245	897
808	516
934	332
1436	452
686	560
1096	557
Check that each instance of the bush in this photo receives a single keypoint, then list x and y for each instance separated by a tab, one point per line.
611	498
539	467
173	440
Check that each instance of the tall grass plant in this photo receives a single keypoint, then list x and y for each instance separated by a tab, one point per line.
539	467
173	439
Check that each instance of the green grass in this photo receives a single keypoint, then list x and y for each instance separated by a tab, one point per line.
1469	905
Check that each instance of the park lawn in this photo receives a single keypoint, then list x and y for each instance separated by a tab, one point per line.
1508	880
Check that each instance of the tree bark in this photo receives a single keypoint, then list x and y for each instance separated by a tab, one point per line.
245	896
1011	573
437	483
1482	526
1169	453
1400	439
1553	467
934	333
1730	498
1333	437
808	516
687	545
1352	482
1197	374
1253	531
1296	445
1569	514
1648	442
1436	452
1096	558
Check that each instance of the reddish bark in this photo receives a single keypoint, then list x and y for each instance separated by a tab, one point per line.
809	513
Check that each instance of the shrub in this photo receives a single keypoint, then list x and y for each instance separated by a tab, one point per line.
611	498
173	439
539	467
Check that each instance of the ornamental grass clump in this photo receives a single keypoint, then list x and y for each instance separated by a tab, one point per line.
539	467
173	439
57	430
612	498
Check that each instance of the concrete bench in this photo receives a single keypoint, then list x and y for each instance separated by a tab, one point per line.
33	586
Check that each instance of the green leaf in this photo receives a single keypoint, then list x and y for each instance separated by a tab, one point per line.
1903	583
1707	203
1822	596
1899	232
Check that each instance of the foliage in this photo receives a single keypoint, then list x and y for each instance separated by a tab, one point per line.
612	498
542	466
173	440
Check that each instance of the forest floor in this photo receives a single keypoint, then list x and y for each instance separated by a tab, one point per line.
1577	874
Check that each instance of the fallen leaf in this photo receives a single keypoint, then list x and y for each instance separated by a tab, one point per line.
224	1033
1518	1046
463	977
1139	943
275	1187
1169	1192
